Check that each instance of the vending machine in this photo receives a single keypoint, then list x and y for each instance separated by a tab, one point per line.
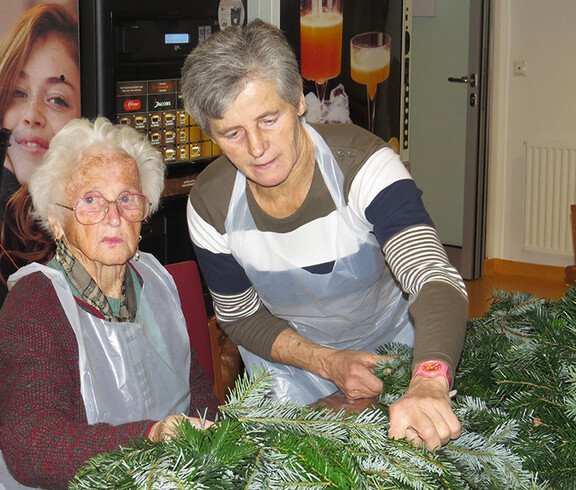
131	55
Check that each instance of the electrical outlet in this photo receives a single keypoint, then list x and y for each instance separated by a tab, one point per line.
520	67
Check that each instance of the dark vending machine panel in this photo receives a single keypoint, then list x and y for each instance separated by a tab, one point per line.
149	56
131	55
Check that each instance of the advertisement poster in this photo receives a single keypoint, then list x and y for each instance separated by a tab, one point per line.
354	61
39	94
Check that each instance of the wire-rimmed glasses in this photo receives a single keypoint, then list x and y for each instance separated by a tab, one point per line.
91	210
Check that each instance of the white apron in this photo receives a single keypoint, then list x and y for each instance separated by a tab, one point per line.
128	371
357	306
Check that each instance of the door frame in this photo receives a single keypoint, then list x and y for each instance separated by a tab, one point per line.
468	259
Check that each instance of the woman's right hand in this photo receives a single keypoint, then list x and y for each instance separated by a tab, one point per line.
351	370
163	430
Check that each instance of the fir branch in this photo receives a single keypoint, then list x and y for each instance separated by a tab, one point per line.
571	393
517	403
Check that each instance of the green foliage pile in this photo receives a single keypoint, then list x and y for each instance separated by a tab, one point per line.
516	399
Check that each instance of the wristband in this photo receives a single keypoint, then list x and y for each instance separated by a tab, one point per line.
433	369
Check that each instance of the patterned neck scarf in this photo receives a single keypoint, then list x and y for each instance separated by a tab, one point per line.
91	293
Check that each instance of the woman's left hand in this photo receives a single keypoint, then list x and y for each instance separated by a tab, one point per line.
424	414
164	430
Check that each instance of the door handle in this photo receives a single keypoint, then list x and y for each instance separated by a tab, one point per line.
465	79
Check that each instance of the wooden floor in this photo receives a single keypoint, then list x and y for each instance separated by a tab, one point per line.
540	281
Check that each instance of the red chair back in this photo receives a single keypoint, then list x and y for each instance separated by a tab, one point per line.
187	279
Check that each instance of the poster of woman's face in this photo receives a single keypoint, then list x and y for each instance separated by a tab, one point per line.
39	82
39	94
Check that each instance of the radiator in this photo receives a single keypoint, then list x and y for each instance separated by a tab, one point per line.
550	189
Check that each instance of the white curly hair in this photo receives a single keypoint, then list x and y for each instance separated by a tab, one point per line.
48	182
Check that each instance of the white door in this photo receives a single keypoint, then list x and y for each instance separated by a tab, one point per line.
447	124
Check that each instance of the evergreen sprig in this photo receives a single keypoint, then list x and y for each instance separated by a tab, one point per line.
516	399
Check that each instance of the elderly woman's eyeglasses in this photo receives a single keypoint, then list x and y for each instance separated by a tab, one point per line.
90	210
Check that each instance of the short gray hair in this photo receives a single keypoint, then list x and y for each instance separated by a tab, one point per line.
67	147
217	70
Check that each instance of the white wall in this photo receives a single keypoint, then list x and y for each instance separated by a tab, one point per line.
540	106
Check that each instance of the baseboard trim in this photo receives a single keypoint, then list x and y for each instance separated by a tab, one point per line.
524	269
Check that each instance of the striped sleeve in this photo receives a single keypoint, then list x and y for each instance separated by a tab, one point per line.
416	257
230	308
386	196
436	294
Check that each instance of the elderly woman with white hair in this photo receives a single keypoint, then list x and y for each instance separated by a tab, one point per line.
94	351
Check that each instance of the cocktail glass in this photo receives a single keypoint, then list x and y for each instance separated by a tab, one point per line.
320	41
370	65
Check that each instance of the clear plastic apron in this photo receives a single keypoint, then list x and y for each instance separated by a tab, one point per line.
357	306
128	371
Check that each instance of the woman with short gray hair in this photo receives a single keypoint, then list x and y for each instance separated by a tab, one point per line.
314	241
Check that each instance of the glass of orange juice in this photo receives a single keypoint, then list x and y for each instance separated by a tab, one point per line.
370	65
320	41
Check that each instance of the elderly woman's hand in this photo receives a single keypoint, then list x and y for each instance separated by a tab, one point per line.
424	414
163	430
